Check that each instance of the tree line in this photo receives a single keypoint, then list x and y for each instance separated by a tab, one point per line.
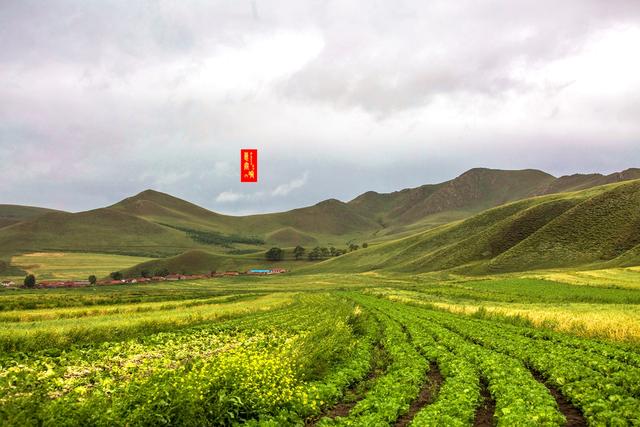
317	253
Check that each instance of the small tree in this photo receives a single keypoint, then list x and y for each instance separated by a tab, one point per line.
353	247
93	279
324	252
274	254
298	252
30	281
116	275
145	273
365	245
315	254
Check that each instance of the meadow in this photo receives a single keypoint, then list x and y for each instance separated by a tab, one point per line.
72	265
368	349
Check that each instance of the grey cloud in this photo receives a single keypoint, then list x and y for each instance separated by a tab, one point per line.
400	55
101	100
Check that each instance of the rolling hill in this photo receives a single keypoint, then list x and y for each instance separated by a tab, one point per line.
598	226
12	214
156	224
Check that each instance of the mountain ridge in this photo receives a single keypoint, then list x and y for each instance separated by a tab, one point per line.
153	223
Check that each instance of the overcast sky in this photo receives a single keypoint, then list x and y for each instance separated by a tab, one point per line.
102	99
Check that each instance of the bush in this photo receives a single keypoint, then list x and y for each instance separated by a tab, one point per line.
30	281
274	254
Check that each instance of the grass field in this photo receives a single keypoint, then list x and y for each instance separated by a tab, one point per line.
323	349
72	265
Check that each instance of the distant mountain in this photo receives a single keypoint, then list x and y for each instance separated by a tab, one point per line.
152	223
473	191
583	181
599	226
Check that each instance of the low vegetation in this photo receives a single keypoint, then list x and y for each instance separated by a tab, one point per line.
289	350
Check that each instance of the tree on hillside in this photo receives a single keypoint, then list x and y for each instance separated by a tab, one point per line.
332	251
30	281
365	245
274	254
353	247
93	279
116	275
324	252
145	273
315	254
298	252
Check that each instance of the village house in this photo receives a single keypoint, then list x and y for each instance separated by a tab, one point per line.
8	283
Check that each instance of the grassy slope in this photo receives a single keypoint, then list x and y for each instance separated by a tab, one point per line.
11	214
599	225
321	222
198	261
473	191
136	225
579	182
100	230
72	266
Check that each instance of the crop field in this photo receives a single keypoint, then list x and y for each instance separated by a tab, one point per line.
320	350
72	265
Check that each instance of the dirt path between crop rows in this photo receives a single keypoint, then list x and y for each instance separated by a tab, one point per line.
357	391
571	413
486	409
427	395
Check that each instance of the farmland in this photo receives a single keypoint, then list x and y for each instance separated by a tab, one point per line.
326	350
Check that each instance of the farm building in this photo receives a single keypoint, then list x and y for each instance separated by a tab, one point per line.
266	271
8	283
231	273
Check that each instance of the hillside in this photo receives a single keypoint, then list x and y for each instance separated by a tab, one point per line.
152	223
473	191
600	225
11	214
578	182
100	230
200	262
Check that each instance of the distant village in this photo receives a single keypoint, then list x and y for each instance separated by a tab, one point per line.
169	278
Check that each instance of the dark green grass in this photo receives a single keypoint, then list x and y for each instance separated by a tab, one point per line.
528	291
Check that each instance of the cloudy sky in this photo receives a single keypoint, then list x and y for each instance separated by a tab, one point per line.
102	99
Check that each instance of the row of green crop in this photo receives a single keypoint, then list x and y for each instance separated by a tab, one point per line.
459	394
392	393
64	333
604	390
520	399
601	379
285	364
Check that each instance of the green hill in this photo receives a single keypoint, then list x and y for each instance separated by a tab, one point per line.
583	181
200	262
600	225
289	236
11	214
101	230
190	262
473	191
431	218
